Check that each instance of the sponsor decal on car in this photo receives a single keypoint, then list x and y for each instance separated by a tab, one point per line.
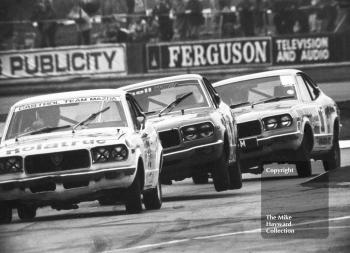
55	145
65	101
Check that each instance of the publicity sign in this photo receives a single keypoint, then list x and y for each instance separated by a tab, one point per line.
180	55
302	49
66	61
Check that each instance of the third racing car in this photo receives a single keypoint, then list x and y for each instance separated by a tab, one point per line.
283	116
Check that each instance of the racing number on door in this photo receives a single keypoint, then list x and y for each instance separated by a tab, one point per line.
229	126
148	156
321	114
148	152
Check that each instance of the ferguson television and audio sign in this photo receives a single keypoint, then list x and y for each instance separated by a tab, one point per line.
60	62
252	51
302	49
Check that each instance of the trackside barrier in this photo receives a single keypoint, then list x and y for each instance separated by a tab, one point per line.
141	61
56	63
247	52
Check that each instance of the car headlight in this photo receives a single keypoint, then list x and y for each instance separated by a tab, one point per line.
119	153
109	154
286	121
100	155
190	133
11	165
198	131
271	124
276	122
206	130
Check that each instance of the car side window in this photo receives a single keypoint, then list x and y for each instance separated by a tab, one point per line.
133	115
137	107
310	88
311	82
305	93
211	90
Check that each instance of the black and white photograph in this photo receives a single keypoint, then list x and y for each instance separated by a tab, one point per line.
174	126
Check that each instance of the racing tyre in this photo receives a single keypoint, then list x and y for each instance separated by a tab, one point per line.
133	202
304	168
303	163
152	199
235	176
26	212
5	213
332	160
200	179
220	173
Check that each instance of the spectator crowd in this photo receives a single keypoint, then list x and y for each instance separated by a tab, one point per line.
187	20
190	20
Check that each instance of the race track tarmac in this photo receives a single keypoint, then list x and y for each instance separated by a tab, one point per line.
195	218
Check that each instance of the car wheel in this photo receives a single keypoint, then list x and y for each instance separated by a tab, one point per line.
220	173
133	202
200	178
235	176
303	163
152	199
303	168
333	158
26	212
5	213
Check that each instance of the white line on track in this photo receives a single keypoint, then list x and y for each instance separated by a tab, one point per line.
150	245
227	234
321	228
257	230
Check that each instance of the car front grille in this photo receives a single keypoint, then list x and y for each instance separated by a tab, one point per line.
62	161
247	129
169	138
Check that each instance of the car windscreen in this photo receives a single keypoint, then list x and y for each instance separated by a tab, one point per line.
155	98
255	90
66	112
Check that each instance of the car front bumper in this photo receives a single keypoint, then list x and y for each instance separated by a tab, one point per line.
66	186
186	162
271	149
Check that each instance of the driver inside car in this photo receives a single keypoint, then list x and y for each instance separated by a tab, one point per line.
45	117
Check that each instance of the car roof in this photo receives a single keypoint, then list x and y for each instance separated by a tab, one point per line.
161	80
71	94
258	75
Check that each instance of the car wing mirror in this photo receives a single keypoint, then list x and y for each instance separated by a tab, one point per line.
141	121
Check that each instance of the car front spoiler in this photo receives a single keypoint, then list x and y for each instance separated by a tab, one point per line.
66	185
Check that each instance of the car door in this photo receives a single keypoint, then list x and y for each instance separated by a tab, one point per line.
226	115
150	151
327	109
314	110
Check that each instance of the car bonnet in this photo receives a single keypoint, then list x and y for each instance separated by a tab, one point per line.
63	141
247	113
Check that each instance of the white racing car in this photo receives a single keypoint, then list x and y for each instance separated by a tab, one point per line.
195	127
61	149
283	116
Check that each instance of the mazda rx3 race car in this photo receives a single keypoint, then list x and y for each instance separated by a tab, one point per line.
283	116
195	128
61	149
